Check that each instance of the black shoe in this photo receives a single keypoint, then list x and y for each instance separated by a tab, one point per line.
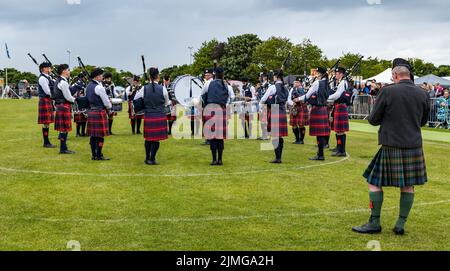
83	135
151	163
334	150
94	158
317	158
111	133
339	154
139	133
399	231
276	161
297	143
220	163
214	163
66	152
301	142
327	146
367	229
49	146
102	158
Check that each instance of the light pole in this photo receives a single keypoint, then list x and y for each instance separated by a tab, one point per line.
69	52
190	53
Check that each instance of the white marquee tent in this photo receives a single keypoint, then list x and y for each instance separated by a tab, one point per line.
384	77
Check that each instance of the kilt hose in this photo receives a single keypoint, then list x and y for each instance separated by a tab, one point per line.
215	122
130	112
155	127
319	122
46	114
63	119
277	122
97	123
301	119
340	119
395	167
79	118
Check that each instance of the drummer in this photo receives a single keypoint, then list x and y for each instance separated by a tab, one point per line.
248	92
171	112
135	120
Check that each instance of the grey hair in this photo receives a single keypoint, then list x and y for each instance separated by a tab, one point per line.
402	71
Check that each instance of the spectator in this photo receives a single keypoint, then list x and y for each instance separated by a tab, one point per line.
443	112
439	90
430	89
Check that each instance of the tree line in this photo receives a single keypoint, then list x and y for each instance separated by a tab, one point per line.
247	55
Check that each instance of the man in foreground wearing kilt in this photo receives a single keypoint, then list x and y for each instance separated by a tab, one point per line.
340	113
299	113
156	99
276	98
215	114
401	109
46	113
319	123
97	127
135	120
63	101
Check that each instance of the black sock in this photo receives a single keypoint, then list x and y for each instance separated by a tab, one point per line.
78	129
83	128
322	140
327	140
220	148
343	143
110	126
213	147
297	134
302	133
138	124
100	143
133	126
45	132
280	148
63	141
192	127
339	143
93	143
154	151
170	127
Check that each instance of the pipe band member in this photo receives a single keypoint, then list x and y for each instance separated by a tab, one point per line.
156	98
299	114
46	114
340	112
319	123
63	100
98	124
171	111
249	94
277	95
135	120
208	76
401	110
262	116
109	86
218	95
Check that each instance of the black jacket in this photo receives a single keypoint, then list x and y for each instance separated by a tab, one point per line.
401	110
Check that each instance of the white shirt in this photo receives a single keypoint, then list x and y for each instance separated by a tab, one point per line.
252	90
44	83
312	90
272	90
64	86
101	91
343	86
140	94
231	95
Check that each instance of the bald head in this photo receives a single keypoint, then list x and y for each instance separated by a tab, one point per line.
401	73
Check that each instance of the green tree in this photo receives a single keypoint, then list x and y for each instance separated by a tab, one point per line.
422	68
203	57
307	56
239	53
270	54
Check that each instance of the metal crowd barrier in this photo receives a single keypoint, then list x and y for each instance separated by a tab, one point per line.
440	115
361	107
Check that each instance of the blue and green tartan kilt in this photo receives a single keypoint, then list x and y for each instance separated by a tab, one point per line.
97	123
319	122
395	167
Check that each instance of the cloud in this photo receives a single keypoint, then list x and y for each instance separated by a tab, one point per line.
115	33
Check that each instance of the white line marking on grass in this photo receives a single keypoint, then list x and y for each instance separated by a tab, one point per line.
211	218
170	175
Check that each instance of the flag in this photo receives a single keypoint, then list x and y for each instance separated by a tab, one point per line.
7	51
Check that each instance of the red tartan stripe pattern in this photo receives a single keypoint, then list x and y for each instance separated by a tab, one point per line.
302	118
46	114
319	124
155	127
63	119
215	122
340	123
97	125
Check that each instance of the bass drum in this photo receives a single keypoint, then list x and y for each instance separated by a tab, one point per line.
186	88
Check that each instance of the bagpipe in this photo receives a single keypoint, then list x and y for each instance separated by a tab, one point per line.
346	97
138	105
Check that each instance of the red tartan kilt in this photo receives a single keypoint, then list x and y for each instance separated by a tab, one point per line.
63	119
340	123
319	123
46	114
282	123
302	117
79	118
155	127
97	123
130	112
215	122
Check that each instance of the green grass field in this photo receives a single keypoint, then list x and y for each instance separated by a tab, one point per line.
47	200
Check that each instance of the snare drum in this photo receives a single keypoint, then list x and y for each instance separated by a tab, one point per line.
117	105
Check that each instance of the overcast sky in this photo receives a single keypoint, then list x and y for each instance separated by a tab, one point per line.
115	33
